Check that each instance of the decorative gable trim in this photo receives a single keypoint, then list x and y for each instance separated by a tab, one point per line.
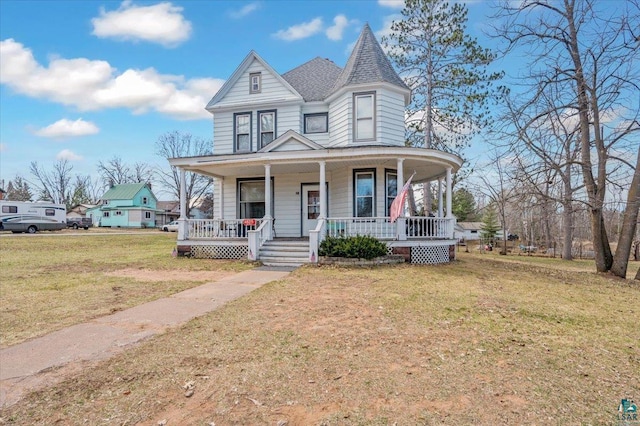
287	138
237	74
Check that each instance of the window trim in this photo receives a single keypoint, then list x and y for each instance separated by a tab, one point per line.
235	131
373	116
147	215
316	114
106	214
239	181
388	202
145	200
355	191
259	126
259	76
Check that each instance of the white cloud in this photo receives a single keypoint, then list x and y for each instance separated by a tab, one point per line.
245	10
97	85
67	154
340	22
395	4
300	31
160	23
67	128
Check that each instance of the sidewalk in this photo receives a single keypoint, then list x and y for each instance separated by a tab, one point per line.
47	360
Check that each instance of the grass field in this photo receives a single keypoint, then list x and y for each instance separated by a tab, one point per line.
486	340
50	281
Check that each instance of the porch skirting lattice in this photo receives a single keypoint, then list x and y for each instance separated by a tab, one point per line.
219	252
430	254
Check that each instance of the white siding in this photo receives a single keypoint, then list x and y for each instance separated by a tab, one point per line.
340	193
340	120
390	118
223	133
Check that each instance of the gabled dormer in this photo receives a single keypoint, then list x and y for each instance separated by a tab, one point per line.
253	83
369	97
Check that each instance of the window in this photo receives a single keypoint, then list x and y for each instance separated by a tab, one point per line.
105	214
49	212
267	127
251	199
9	209
364	193
391	180
118	213
316	123
145	200
105	202
255	82
364	107
242	131
147	215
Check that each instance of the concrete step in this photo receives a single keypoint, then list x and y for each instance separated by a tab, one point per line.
290	253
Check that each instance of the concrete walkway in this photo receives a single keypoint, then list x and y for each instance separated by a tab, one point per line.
49	359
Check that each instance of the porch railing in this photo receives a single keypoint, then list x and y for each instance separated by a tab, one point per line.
222	228
256	238
420	227
378	227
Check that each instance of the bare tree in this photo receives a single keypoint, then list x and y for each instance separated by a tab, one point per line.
176	144
591	52
54	185
117	172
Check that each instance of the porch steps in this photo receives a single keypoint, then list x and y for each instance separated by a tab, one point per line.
284	253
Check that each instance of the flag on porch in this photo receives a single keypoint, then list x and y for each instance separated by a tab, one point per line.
398	203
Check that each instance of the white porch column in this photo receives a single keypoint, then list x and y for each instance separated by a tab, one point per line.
401	229
449	192
267	191
267	200
221	207
183	230
323	190
440	206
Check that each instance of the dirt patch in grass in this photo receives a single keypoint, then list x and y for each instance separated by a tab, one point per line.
476	342
156	276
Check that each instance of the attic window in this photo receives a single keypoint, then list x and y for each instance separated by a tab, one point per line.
145	200
255	82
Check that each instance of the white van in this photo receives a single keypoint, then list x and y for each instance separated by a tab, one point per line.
18	216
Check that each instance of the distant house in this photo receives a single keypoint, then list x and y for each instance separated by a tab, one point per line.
79	210
126	206
469	231
167	211
2	193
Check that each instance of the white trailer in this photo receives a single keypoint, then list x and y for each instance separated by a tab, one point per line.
18	216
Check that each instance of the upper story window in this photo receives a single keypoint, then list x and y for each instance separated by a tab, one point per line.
316	123
255	82
105	202
364	182
145	200
242	131
364	105
267	127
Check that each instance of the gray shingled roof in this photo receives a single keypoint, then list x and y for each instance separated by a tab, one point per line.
368	64
314	79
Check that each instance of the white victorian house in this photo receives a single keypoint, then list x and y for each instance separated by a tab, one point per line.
316	151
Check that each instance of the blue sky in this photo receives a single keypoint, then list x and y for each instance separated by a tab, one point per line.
90	80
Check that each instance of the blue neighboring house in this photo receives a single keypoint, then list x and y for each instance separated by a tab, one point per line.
131	205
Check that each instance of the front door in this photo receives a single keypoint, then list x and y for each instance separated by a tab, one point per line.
310	207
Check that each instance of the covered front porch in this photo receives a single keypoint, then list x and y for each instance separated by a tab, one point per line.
263	196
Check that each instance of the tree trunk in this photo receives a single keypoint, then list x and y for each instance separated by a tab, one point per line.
638	275
567	216
629	221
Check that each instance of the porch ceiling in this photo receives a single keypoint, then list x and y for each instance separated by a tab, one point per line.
428	164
